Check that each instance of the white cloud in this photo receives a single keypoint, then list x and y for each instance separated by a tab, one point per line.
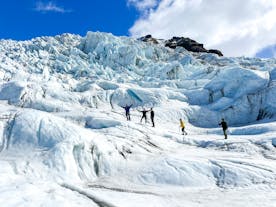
235	27
49	7
143	5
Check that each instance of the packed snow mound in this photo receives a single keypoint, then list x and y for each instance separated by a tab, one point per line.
228	84
66	148
199	173
41	130
96	123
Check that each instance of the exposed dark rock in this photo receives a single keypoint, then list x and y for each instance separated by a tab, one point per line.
219	53
187	43
148	38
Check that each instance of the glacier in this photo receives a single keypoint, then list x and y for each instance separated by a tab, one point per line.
65	140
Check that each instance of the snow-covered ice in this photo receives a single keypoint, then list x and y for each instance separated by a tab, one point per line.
65	140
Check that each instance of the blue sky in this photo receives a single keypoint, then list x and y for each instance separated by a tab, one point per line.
25	19
237	28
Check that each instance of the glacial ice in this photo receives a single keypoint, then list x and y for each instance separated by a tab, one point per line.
63	129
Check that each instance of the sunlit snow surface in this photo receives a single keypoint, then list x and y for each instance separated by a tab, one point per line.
65	140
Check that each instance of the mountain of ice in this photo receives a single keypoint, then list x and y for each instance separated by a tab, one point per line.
107	67
64	134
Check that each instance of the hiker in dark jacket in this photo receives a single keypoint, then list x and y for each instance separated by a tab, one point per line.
152	117
127	109
144	115
224	127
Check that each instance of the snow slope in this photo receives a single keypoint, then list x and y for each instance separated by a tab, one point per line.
65	141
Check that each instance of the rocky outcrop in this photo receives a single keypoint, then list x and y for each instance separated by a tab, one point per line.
187	43
219	53
148	38
190	45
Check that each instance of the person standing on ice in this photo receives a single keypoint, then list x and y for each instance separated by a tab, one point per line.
182	126
144	115
152	117
127	109
224	127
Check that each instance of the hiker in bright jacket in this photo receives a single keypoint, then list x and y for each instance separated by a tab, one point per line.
182	126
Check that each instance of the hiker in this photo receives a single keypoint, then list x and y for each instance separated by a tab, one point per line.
127	109
182	125
224	127
152	117
144	115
